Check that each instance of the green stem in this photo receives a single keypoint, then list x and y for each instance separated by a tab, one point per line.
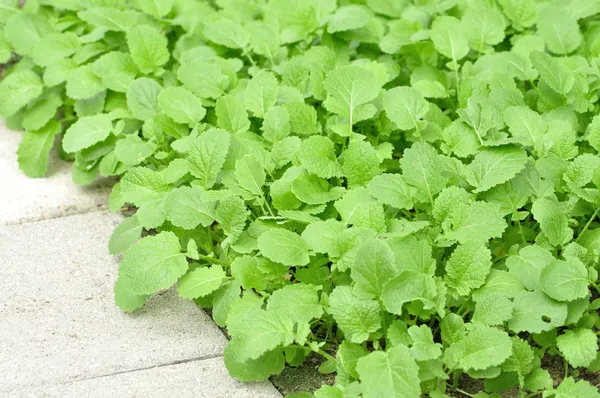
326	355
566	369
457	79
533	394
213	260
247	54
210	239
588	224
463	392
520	228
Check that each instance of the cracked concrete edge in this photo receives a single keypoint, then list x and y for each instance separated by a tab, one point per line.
199	378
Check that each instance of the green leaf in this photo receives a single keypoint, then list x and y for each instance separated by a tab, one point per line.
317	156
528	264
156	8
494	166
82	83
478	221
34	149
40	113
374	266
358	208
481	348
54	47
526	126
553	221
534	312
348	17
154	263
484	26
125	235
187	208
146	189
247	270
565	280
126	300
350	88
17	90
231	114
142	98
58	72
391	189
449	38
421	168
25	30
389	374
553	71
261	93
116	69
283	246
250	174
423	347
276	124
148	48
357	317
468	267
299	299
231	216
569	388
201	282
227	33
181	105
87	131
361	163
405	107
261	368
493	309
321	236
203	79
264	331
406	287
207	156
110	18
579	346
559	30
314	190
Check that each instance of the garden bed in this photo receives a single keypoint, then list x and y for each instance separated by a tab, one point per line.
404	193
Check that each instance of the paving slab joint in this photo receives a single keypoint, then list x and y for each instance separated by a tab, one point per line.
162	365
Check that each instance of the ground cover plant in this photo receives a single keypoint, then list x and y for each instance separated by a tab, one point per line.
408	189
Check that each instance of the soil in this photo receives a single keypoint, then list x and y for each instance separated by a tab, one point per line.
304	378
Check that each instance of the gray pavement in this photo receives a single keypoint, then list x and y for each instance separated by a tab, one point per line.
30	199
60	333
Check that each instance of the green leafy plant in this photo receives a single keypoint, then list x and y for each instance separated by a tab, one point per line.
409	189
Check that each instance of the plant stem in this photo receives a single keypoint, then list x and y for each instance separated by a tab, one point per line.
213	260
210	239
463	392
326	355
587	225
566	369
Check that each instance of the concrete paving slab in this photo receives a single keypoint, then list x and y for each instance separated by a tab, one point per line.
58	322
28	199
207	378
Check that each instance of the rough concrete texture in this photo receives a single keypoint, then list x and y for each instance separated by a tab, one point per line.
27	199
58	321
206	378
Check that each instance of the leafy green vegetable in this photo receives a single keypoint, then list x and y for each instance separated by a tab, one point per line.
409	189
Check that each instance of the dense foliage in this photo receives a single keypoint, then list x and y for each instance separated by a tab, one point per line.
408	188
